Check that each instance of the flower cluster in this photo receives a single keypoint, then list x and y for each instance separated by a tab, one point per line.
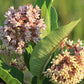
18	62
22	25
68	67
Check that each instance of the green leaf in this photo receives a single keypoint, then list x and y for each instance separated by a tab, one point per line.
10	74
57	51
54	18
34	80
45	15
83	42
77	41
27	55
46	81
47	46
1	42
49	4
45	6
26	59
41	2
29	49
81	82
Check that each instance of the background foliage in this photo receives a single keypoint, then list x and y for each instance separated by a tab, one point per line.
67	11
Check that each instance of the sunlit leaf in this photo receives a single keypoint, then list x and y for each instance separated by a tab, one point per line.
45	6
45	16
47	46
10	74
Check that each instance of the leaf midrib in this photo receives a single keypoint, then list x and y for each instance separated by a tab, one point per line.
53	52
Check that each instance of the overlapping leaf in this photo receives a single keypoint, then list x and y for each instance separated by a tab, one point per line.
45	15
46	47
10	74
41	2
45	6
27	55
54	18
50	20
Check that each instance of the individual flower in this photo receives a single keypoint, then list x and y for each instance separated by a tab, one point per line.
22	25
68	67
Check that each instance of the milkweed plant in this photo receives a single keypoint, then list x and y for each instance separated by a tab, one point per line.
34	50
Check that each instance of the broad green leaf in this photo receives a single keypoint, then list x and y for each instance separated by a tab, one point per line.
10	74
45	15
54	18
47	46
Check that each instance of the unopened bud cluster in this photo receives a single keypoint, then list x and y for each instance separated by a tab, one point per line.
68	67
21	25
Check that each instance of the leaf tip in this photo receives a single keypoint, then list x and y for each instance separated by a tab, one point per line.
78	20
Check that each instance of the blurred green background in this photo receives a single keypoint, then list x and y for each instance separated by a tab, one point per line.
67	11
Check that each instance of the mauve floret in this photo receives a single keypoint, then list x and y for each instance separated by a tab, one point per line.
22	24
68	67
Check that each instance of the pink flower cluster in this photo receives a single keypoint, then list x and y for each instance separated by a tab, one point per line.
22	25
68	66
